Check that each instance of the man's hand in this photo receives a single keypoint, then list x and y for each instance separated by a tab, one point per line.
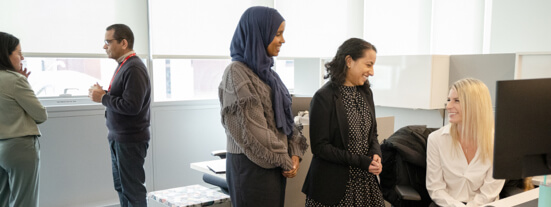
96	93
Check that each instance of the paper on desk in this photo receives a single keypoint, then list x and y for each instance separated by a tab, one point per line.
303	118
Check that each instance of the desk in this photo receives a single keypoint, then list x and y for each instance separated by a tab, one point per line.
385	127
517	199
293	192
293	195
202	167
537	180
188	196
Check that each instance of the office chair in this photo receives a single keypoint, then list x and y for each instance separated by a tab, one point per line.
404	161
214	180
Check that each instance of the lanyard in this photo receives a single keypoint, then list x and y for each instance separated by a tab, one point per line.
125	59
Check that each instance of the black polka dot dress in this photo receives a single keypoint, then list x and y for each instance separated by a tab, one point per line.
362	188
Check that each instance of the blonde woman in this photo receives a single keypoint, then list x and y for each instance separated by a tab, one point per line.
459	155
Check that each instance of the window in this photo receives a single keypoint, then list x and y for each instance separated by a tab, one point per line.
187	79
193	28
401	27
68	77
69	27
193	79
63	49
316	28
190	43
286	71
65	77
406	27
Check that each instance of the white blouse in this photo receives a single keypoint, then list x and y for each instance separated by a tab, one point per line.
451	181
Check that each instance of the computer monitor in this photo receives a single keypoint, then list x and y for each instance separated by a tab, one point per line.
522	145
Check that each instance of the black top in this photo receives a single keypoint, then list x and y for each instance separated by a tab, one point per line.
329	137
127	104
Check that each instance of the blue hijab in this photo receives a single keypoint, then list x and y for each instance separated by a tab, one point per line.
256	30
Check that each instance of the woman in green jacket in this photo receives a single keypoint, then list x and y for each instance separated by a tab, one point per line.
20	112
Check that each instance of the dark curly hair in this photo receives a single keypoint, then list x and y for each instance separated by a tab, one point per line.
8	43
337	69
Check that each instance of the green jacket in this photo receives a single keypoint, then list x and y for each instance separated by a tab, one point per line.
20	110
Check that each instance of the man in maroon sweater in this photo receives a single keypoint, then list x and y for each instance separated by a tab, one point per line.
127	104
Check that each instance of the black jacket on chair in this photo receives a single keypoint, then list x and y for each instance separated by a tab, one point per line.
404	163
329	170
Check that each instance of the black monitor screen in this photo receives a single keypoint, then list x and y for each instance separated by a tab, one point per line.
522	145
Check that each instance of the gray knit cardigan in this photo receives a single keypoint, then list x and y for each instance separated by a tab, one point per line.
248	118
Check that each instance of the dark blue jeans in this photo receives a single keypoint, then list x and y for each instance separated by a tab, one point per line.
127	160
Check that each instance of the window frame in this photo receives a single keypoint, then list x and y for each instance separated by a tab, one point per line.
76	100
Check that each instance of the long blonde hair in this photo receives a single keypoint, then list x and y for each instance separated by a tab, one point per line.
477	116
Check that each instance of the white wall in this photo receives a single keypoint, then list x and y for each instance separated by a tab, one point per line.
76	162
404	117
520	26
61	26
401	27
309	24
488	68
184	133
457	27
75	159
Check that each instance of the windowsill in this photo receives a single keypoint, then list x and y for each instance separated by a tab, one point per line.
203	103
66	101
58	104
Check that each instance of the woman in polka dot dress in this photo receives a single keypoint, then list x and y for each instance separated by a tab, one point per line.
343	133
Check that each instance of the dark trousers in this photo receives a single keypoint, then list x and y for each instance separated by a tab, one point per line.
127	160
253	186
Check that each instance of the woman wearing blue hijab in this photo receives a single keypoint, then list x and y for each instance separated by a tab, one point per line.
264	147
